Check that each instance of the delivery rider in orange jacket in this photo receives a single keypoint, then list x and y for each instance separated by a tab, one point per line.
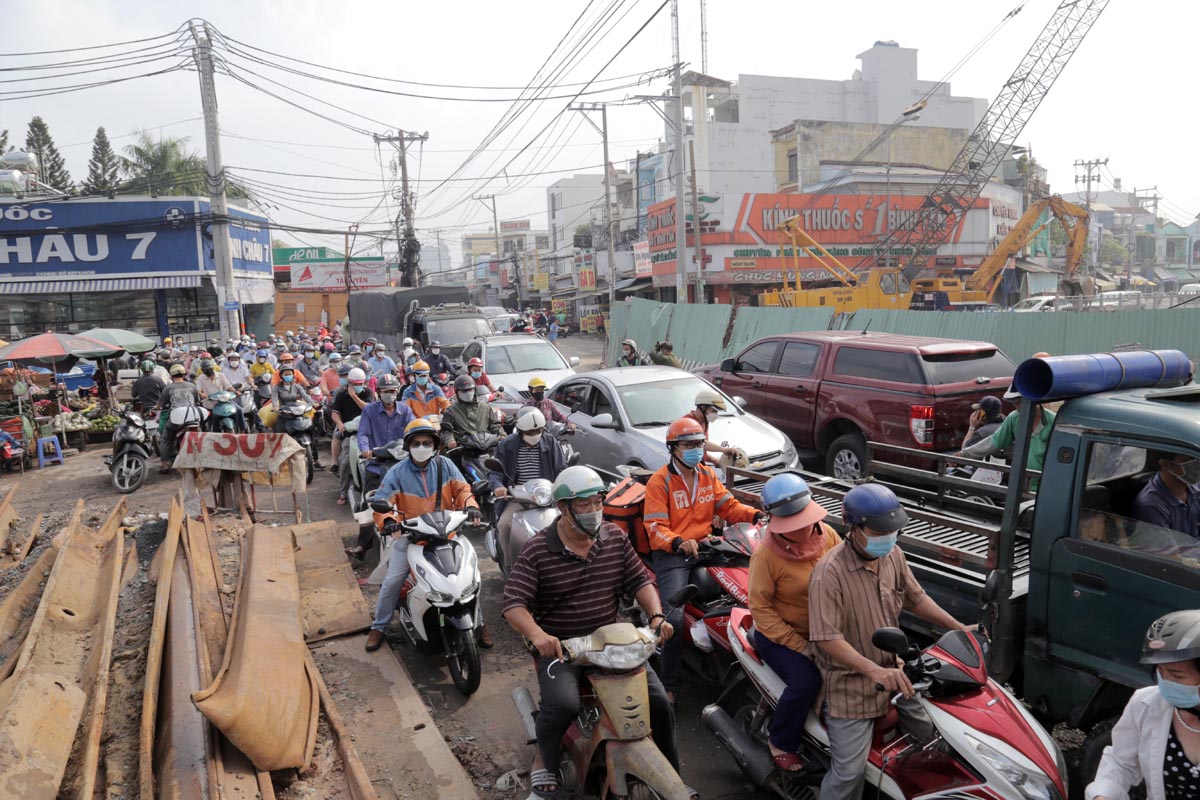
681	500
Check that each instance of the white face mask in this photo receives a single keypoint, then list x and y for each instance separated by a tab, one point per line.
712	416
421	454
532	438
435	350
466	397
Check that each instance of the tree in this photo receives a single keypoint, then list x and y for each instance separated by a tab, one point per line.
4	141
103	166
53	169
168	166
1113	253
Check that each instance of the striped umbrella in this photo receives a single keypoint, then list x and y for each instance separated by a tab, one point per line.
51	348
128	341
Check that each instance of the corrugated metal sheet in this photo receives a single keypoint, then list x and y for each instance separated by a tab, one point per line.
644	321
697	332
754	323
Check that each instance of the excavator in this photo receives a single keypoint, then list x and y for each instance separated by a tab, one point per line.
887	287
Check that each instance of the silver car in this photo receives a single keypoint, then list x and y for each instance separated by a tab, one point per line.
623	415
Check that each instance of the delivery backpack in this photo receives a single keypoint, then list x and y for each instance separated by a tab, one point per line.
624	506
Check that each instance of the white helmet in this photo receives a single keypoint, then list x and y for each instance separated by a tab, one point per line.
357	376
531	420
408	342
707	397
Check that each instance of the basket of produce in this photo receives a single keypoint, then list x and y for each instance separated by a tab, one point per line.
102	428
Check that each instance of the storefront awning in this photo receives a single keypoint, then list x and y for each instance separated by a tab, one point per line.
1164	274
102	285
633	284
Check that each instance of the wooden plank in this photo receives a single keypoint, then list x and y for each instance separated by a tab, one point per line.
17	553
331	604
8	515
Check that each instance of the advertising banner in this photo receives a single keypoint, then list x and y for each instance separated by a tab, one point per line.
642	265
329	274
558	306
587	279
249	242
541	281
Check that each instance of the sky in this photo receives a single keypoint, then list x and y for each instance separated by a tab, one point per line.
1123	97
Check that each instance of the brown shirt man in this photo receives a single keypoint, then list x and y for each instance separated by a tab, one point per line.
850	600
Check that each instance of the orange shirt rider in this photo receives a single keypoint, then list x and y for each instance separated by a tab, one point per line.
679	509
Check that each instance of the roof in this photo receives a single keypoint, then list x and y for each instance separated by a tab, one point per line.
1166	420
926	345
626	376
512	338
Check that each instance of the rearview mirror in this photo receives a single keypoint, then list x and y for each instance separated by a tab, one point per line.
991	589
381	506
727	365
684	595
741	401
575	407
479	487
493	464
890	640
573	361
605	421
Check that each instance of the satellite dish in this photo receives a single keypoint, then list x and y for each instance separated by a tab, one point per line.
20	388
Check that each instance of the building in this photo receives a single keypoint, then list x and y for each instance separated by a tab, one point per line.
141	263
569	203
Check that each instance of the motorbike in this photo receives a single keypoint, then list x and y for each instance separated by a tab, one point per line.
262	390
439	601
985	745
223	418
608	750
469	456
296	420
134	442
246	402
181	421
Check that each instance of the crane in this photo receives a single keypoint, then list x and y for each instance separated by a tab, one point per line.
956	191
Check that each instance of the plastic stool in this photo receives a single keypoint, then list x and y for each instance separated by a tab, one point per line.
48	451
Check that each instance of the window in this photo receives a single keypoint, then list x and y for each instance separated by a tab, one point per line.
1125	507
472	351
880	365
944	368
572	393
887	283
603	403
798	359
658	404
793	167
502	360
758	358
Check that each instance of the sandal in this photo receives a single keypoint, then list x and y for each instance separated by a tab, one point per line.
539	780
692	793
341	501
788	762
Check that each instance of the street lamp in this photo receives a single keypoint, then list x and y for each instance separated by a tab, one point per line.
908	115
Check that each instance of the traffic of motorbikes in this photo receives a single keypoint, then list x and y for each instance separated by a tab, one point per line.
983	742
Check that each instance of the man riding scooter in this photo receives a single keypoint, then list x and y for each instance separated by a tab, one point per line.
467	415
381	423
288	391
527	454
438	362
568	581
178	394
146	389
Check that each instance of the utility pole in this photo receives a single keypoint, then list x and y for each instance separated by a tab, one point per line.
696	225
681	288
1091	174
408	248
704	36
1139	196
438	234
608	220
215	177
490	201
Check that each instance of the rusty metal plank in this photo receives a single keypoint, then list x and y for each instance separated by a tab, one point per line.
55	697
331	604
15	553
265	698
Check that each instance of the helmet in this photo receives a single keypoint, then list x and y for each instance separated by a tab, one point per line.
684	429
1173	637
280	346
286	358
168	340
177	371
537	383
420	366
344	371
335	356
194	348
629	343
289	334
380	347
475	362
357	375
577	482
875	506
708	397
435	343
420	425
787	498
531	420
286	368
146	366
293	348
388	381
328	346
464	383
163	355
373	340
408	342
207	364
354	350
262	354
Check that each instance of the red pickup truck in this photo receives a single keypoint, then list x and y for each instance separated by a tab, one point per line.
833	391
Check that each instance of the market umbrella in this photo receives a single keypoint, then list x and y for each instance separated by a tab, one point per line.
128	341
51	348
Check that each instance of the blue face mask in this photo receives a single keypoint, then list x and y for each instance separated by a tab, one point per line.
475	374
692	457
422	380
880	546
1179	695
288	378
343	381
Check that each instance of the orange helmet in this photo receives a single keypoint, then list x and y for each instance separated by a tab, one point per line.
286	357
475	362
685	429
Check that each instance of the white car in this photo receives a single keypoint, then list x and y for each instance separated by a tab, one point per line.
512	360
1041	302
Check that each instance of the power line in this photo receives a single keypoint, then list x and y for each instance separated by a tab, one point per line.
90	47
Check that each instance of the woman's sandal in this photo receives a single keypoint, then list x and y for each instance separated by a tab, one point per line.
539	779
788	762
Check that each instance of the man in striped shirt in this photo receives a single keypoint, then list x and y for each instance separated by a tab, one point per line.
525	455
568	581
857	588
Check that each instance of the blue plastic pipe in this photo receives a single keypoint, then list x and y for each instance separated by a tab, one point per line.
1059	377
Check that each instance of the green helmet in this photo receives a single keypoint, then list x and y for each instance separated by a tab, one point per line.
577	482
146	366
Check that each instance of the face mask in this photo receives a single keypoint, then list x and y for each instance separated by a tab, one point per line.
476	374
435	350
288	378
712	416
466	397
531	439
234	363
359	389
1179	695
310	354
421	454
590	522
879	546
262	359
342	381
388	398
1188	472
422	380
627	352
692	457
538	395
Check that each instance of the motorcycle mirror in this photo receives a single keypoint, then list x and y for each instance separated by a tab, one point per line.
479	487
381	506
991	589
493	464
890	640
684	595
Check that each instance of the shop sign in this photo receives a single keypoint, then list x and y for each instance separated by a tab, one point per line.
587	279
642	265
541	281
282	256
558	306
511	225
329	274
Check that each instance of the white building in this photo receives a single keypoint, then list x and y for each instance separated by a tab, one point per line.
569	203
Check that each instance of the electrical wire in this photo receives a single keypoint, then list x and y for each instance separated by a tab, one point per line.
31	93
90	47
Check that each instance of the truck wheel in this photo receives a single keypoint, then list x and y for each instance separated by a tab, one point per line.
846	458
1099	737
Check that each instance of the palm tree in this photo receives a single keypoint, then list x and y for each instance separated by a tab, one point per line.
167	166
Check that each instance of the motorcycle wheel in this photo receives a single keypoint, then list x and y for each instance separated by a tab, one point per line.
462	656
128	472
308	460
637	791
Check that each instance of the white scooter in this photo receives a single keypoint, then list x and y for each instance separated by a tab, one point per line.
439	601
537	512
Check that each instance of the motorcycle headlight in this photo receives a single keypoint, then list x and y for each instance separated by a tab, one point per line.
471	590
542	494
439	598
137	434
622	656
1031	782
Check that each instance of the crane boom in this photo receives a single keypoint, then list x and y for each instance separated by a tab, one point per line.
989	144
1074	221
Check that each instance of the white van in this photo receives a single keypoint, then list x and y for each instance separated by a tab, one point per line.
1122	299
1041	302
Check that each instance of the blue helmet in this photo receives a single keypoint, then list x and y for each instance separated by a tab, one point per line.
786	494
354	350
874	506
262	353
